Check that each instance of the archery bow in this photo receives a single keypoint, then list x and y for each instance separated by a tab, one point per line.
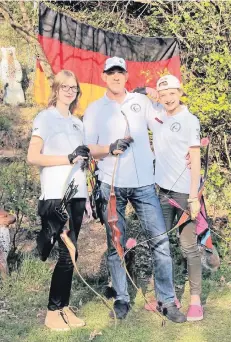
112	217
116	234
185	217
72	251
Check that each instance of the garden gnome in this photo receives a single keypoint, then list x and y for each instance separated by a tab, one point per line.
5	221
11	77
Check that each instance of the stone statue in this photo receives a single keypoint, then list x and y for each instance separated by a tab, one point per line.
11	77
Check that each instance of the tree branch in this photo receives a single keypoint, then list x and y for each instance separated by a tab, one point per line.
178	36
25	17
226	150
31	38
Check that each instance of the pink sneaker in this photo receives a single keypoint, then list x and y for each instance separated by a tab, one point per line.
151	306
177	302
195	313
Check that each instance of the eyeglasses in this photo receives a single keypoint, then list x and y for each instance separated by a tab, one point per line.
66	88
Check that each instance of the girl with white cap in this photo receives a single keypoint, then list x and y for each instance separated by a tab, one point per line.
175	133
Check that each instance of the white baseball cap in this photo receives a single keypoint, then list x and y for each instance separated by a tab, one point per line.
168	82
115	62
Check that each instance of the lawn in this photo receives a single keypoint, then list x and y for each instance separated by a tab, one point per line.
23	307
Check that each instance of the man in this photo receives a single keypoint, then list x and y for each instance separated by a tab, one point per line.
108	124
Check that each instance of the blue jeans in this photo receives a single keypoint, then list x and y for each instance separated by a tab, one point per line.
147	207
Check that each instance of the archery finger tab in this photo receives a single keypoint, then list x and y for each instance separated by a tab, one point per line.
116	152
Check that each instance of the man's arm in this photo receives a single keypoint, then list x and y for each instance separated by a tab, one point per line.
99	152
118	147
91	137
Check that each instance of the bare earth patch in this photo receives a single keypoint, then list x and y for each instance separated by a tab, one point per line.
92	246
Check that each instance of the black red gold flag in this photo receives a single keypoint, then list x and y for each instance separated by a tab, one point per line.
69	44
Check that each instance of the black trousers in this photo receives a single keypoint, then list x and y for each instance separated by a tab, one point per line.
61	281
187	235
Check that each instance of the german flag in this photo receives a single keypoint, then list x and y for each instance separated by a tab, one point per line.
75	46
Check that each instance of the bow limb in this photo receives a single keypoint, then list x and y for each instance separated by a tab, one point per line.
123	263
116	234
112	216
186	215
72	250
202	186
122	255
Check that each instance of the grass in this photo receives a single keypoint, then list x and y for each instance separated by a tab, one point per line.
23	306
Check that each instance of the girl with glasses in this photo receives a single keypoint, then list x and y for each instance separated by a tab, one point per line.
56	134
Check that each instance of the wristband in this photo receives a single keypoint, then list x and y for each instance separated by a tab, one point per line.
71	158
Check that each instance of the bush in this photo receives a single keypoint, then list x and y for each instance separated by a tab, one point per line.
5	123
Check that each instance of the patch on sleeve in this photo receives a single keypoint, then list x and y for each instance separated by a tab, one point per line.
158	120
198	134
76	127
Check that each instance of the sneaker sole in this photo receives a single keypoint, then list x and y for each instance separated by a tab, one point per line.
111	315
151	307
56	329
195	319
78	325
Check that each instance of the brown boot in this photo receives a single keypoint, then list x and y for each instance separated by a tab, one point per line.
73	321
57	320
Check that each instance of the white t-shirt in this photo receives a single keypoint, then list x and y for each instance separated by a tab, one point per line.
61	136
104	123
171	140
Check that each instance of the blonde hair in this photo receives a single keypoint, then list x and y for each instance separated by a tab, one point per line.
59	79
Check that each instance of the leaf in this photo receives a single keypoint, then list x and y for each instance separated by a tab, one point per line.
94	334
222	280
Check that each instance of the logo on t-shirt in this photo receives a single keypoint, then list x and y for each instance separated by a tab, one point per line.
135	107
175	127
75	126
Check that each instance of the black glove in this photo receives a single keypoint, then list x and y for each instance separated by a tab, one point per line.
141	90
120	144
85	164
82	151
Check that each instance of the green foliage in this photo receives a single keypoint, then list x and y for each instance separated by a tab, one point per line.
24	297
18	194
5	123
17	187
203	32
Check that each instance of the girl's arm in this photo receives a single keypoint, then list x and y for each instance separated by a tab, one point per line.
194	203
35	157
195	158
